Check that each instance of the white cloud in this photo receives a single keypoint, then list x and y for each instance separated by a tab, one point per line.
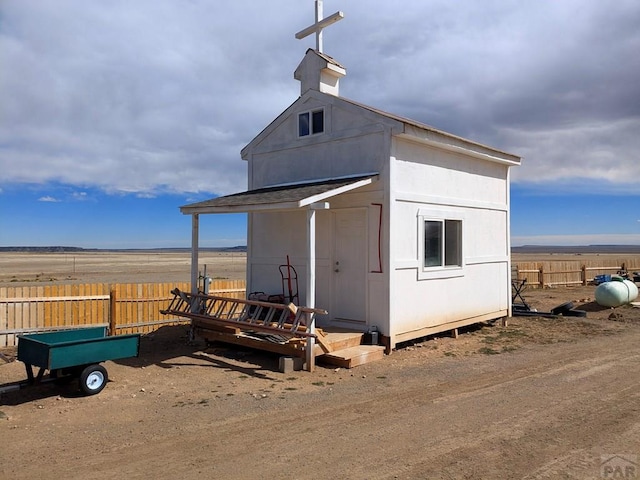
48	198
605	151
160	96
145	195
79	196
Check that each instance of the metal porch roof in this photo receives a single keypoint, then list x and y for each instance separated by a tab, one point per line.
279	197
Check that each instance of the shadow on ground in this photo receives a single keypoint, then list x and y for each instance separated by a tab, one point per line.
33	393
170	347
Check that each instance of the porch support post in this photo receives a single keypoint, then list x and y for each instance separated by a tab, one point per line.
508	244
310	301
195	221
195	227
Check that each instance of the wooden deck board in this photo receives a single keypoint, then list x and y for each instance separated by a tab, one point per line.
340	339
288	349
353	356
345	345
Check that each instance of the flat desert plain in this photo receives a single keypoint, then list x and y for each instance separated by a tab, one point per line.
25	269
542	398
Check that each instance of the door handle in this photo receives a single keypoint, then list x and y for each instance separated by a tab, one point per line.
337	269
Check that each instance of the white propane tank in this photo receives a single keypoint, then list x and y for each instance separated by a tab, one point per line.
615	293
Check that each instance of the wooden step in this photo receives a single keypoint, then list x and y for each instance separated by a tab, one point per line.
353	356
339	339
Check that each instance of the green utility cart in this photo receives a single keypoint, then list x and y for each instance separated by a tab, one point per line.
75	353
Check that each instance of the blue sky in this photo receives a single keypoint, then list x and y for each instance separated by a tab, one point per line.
89	218
115	114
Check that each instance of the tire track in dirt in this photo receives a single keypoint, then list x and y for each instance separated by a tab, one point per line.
533	414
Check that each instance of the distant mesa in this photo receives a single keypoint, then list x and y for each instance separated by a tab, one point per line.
54	249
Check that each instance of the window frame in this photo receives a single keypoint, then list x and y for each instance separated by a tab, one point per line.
311	123
441	269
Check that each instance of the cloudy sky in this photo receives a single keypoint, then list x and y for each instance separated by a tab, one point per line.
114	113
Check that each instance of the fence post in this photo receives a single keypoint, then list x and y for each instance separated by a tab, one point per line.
112	312
584	275
541	276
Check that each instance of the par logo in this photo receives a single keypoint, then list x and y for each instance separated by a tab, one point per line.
619	466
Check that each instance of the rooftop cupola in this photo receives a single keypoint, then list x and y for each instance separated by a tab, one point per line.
318	71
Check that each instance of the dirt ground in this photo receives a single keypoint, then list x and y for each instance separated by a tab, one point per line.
541	398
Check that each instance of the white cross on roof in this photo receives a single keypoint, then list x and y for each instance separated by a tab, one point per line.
319	25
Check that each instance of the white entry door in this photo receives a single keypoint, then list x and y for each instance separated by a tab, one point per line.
349	265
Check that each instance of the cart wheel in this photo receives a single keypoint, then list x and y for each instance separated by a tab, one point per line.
93	379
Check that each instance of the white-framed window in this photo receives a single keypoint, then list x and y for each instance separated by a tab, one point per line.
440	237
311	122
442	243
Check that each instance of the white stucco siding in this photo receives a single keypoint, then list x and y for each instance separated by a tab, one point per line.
449	177
278	234
360	154
484	237
273	237
432	303
350	120
430	184
320	159
288	166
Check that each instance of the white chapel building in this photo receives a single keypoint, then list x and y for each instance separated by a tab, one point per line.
390	223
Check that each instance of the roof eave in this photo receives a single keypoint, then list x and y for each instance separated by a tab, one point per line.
306	201
270	207
489	154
